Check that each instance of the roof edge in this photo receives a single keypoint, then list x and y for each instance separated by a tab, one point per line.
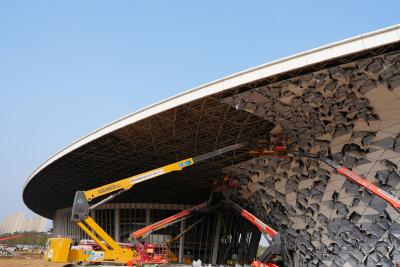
342	48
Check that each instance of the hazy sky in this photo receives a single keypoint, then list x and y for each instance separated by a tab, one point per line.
69	67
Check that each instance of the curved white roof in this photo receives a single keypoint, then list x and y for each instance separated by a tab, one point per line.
195	121
338	49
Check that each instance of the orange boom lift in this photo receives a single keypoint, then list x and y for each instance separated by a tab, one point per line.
265	148
355	178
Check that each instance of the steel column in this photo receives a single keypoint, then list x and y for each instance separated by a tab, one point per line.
148	221
216	240
182	241
117	224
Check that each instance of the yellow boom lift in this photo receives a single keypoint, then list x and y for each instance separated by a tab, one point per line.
60	249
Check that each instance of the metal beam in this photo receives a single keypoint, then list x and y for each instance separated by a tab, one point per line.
216	240
182	241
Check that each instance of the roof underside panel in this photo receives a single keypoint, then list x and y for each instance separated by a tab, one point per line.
180	133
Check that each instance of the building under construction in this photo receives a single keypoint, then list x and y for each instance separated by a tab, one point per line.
341	100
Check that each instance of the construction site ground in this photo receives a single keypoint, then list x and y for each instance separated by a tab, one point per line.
31	260
34	260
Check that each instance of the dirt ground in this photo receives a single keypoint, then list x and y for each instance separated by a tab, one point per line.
31	261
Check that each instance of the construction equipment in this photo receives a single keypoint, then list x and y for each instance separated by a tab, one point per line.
146	252
110	251
280	150
145	231
273	237
6	251
265	147
171	256
355	178
4	238
275	245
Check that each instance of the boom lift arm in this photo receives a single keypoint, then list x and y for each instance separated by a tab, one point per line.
81	206
273	237
355	178
4	238
80	210
140	234
145	231
281	150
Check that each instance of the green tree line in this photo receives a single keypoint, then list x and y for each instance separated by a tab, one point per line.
29	238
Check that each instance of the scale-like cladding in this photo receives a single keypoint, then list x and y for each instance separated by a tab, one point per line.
353	112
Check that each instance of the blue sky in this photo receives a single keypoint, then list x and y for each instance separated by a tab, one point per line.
69	67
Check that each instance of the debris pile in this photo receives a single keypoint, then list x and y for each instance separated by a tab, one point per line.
6	251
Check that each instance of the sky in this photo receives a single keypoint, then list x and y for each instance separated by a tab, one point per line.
70	67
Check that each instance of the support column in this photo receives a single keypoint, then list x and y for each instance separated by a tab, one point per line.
92	214
117	224
216	240
182	241
148	215
254	243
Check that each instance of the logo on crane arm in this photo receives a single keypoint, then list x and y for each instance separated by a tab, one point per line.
185	163
391	197
146	176
109	188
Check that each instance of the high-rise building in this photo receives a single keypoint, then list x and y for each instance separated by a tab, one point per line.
16	222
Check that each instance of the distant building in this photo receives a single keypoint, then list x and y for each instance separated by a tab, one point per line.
36	224
16	223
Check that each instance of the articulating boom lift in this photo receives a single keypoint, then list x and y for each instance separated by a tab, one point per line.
145	231
280	151
146	252
272	236
59	248
355	178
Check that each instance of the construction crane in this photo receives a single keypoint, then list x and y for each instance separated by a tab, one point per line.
110	251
